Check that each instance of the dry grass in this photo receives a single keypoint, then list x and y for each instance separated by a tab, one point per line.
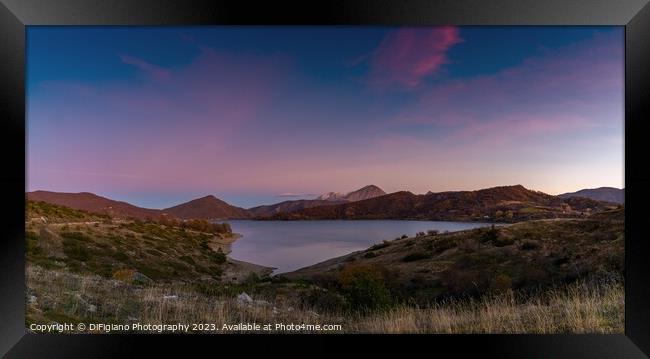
585	307
67	297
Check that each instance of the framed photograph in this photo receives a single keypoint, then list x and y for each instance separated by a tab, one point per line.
458	175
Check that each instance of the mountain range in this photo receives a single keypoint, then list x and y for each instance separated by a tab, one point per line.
327	199
505	203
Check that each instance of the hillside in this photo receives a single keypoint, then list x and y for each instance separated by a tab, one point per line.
93	203
364	193
208	207
327	199
289	206
65	239
501	204
606	194
517	256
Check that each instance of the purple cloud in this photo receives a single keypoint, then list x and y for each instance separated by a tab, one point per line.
406	56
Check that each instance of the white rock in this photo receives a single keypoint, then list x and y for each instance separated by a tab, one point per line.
32	299
174	296
92	308
244	298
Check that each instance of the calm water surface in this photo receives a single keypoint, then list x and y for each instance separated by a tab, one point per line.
289	245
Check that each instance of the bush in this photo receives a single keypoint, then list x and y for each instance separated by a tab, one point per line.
404	236
504	241
442	245
379	246
529	245
74	250
490	235
76	236
324	300
416	256
500	283
420	234
364	287
468	245
202	225
218	256
432	232
125	275
370	255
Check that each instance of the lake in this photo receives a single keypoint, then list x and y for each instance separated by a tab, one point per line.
289	245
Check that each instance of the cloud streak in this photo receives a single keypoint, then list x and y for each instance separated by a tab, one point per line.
156	72
405	57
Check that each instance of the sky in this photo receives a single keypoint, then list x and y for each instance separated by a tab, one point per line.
157	116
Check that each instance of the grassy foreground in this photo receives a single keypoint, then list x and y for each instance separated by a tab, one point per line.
582	307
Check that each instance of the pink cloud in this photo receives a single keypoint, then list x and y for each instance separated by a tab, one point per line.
577	81
406	56
156	72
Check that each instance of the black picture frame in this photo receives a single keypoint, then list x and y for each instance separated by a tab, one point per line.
15	342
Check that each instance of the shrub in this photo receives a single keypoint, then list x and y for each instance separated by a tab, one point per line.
202	225
125	275
432	232
364	287
490	235
404	236
323	300
412	257
504	241
379	246
443	244
500	283
218	256
468	245
74	250
31	243
529	245
120	256
420	234
76	236
370	255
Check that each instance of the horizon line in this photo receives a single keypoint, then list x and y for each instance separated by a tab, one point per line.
298	198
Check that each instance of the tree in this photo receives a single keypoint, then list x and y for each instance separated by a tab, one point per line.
364	287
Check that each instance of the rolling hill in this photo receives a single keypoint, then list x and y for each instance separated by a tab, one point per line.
90	202
607	194
476	261
208	207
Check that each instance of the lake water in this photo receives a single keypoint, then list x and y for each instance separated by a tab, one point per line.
289	245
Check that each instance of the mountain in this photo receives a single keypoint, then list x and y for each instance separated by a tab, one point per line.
326	199
290	206
366	192
93	203
607	194
503	204
331	196
208	207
